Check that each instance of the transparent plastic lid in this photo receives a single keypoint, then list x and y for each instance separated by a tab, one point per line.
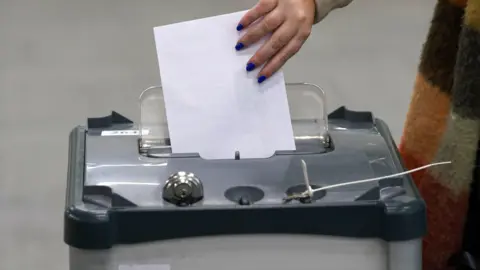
360	153
307	103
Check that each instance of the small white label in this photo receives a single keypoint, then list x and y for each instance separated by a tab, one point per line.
124	132
144	267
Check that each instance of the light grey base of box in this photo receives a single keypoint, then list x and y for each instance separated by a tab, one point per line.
266	252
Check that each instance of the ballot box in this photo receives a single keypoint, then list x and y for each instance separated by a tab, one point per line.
132	204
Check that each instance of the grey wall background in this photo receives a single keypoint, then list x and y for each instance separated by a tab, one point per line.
62	61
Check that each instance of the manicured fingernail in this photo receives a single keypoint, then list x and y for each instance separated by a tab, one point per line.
239	46
239	27
261	79
250	66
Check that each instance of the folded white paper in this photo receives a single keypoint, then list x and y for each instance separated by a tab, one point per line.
214	107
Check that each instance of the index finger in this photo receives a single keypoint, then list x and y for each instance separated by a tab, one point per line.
260	9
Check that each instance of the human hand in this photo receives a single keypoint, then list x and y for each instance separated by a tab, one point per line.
289	21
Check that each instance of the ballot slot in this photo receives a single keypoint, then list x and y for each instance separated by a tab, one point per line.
307	105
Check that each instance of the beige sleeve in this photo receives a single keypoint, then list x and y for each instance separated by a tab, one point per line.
323	7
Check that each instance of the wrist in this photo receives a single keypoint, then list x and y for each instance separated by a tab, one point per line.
341	3
323	7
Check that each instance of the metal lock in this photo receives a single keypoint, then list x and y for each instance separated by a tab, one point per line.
183	189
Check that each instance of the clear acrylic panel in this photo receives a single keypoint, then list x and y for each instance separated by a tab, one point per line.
153	120
307	109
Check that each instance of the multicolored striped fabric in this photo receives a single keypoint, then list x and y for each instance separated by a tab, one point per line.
443	123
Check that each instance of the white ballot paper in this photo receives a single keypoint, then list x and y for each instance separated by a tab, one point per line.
214	107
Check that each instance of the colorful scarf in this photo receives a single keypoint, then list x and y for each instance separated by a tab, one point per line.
443	124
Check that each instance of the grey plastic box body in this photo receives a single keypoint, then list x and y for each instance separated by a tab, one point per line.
116	218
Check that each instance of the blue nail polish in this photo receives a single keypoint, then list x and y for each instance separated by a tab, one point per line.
239	46
261	79
250	66
239	27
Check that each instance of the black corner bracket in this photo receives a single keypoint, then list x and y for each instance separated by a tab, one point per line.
343	113
108	121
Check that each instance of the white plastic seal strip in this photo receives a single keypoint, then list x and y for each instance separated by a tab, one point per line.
309	192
